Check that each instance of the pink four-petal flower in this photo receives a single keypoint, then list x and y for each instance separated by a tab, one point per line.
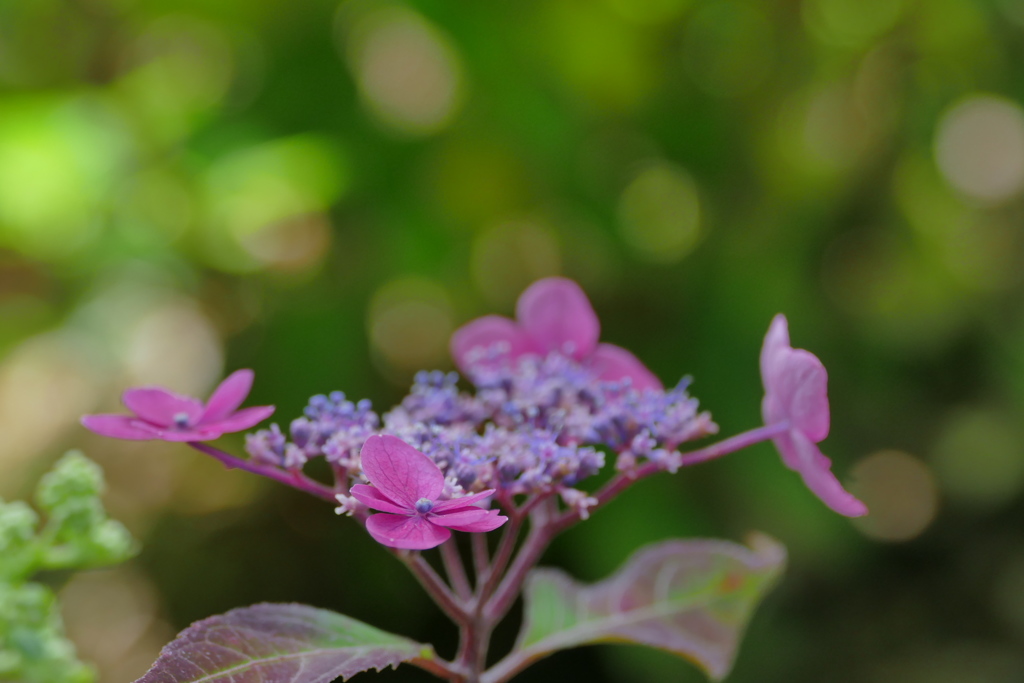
165	415
405	488
552	314
796	392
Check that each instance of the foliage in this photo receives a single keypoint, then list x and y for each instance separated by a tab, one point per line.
280	643
76	534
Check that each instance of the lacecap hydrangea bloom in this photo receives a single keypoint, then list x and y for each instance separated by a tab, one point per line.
544	408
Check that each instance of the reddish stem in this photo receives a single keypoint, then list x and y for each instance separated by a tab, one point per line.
294	478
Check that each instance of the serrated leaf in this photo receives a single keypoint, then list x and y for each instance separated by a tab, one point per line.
283	643
692	598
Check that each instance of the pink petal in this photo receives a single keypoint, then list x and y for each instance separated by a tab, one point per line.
814	468
613	363
228	396
795	384
472	520
373	498
463	502
557	314
400	471
186	435
240	421
775	340
483	333
120	427
409	532
801	387
159	406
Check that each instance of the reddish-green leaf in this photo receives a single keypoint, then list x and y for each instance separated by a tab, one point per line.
280	643
693	598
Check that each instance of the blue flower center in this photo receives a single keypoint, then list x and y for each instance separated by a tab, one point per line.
424	505
181	420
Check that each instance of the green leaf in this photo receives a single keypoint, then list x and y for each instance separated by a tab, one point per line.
693	598
284	643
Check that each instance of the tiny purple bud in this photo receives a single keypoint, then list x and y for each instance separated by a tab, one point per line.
424	505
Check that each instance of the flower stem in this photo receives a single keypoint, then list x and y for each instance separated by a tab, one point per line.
455	570
292	478
734	443
542	529
435	587
481	558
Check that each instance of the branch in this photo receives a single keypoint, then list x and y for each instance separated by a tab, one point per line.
455	570
294	478
435	587
541	532
481	558
734	443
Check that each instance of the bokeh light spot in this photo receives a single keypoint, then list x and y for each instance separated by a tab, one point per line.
979	147
174	345
294	244
979	457
900	492
409	73
113	618
58	159
981	249
261	194
46	383
659	213
508	256
410	322
178	69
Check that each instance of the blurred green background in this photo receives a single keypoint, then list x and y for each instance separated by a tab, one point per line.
323	191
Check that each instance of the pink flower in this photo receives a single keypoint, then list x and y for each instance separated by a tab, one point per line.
162	414
553	314
796	393
405	488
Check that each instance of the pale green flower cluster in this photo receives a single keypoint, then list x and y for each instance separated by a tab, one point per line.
73	533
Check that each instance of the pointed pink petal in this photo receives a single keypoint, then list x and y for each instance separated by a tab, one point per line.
373	498
400	471
472	520
613	363
463	502
228	396
120	427
555	312
795	384
483	333
411	533
775	341
159	406
240	421
814	467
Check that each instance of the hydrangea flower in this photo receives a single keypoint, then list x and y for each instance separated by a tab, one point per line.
796	393
552	314
165	415
406	486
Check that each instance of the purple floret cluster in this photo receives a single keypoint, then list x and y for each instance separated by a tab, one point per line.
549	402
534	425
